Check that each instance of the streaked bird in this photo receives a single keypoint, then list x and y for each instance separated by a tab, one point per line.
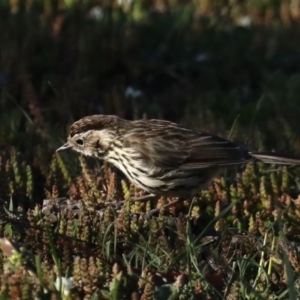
161	157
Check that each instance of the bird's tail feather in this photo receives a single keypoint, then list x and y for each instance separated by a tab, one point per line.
274	158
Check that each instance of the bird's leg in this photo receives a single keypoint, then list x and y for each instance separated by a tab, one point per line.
143	198
156	210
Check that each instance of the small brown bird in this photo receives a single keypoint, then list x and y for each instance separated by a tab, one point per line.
161	157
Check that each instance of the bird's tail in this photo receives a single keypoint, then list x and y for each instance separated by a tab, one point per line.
274	158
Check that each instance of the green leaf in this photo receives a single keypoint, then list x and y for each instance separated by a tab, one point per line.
114	287
8	230
105	293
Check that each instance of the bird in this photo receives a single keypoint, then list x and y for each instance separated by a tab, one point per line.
161	157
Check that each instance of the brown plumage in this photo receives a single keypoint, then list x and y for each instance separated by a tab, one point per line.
93	123
161	157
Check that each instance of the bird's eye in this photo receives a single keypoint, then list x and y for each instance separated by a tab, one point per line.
79	142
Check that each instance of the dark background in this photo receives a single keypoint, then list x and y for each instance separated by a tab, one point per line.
229	67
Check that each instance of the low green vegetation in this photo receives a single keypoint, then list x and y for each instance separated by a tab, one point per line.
228	68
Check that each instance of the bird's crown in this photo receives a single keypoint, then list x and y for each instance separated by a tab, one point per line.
94	122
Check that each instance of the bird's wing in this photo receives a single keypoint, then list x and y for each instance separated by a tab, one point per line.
208	150
169	146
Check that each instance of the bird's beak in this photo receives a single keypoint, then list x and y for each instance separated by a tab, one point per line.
63	147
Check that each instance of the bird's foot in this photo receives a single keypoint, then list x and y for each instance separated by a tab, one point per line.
119	204
143	198
154	211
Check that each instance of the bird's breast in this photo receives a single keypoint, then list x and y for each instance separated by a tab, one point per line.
159	181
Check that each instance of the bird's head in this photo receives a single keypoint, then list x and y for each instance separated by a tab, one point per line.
92	135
